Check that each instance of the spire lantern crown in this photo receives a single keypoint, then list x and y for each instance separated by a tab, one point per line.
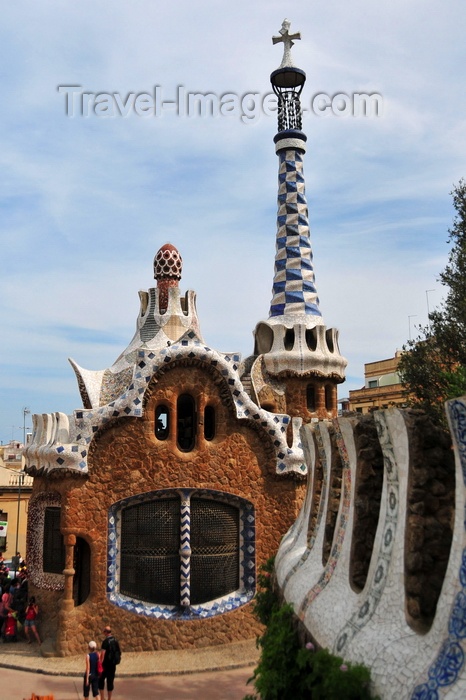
288	82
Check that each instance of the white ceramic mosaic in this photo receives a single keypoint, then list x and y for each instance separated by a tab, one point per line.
371	626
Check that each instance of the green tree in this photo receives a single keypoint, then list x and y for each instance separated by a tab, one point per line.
433	368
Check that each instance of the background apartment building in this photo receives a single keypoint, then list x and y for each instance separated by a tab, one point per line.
15	491
382	386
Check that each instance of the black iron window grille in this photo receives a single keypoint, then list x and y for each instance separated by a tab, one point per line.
179	550
289	111
54	546
185	422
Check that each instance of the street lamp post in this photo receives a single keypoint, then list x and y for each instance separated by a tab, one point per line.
427	298
26	412
20	483
409	323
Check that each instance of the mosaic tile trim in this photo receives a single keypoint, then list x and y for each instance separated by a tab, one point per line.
35	542
375	586
47	452
321	509
449	663
185	548
340	532
219	606
294	290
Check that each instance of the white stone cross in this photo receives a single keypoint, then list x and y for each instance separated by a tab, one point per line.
287	40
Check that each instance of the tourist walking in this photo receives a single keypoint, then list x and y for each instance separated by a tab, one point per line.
5	609
32	612
110	657
91	675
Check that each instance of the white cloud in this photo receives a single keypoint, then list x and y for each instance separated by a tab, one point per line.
86	203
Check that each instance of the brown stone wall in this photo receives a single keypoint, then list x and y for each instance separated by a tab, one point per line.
296	398
336	470
429	517
127	459
368	493
317	482
49	603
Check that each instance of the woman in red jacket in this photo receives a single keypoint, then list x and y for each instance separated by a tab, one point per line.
32	612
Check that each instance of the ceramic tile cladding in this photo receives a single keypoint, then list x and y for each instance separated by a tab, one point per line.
294	289
405	660
68	449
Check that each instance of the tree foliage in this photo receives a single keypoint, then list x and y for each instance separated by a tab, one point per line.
433	368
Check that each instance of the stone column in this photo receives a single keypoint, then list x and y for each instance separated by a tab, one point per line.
320	399
69	572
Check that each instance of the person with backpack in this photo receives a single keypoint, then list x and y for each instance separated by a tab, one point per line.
110	657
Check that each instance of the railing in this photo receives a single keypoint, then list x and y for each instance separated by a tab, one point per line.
20	480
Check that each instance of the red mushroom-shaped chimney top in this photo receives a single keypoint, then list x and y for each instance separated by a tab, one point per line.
168	263
167	271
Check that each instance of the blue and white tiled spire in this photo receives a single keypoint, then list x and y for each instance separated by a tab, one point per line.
294	291
294	340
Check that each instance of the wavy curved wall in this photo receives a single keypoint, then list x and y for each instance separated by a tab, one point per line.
392	592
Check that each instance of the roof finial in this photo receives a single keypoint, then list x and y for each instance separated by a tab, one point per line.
287	40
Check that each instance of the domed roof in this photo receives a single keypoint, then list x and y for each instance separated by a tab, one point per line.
168	263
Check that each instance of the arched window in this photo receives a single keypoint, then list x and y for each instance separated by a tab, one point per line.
82	568
329	339
185	422
209	422
289	339
162	422
311	339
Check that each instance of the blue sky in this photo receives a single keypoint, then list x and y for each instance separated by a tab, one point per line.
87	202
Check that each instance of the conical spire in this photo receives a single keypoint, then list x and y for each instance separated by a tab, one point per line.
294	291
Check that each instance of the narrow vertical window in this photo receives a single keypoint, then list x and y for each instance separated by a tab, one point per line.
329	339
311	397
162	423
329	397
209	422
54	547
289	339
185	422
311	339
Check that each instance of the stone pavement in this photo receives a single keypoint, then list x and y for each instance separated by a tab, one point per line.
214	673
27	657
